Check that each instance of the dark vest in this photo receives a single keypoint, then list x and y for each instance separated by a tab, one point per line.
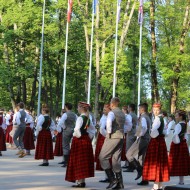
134	119
1	119
70	121
161	128
183	130
86	123
148	121
47	123
22	118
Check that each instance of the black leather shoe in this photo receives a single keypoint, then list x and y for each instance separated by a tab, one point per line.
143	183
104	181
44	164
80	185
64	165
0	154
63	162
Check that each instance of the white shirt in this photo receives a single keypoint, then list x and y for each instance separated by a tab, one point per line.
61	123
188	127
128	123
103	125
170	126
29	119
110	119
178	128
4	126
78	125
7	118
144	126
18	116
156	123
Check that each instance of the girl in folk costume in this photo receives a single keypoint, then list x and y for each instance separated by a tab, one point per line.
29	135
44	147
58	151
156	161
81	160
101	138
2	132
9	123
169	131
179	155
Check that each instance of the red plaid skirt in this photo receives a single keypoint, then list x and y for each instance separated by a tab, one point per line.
156	166
123	152
81	160
58	151
44	147
179	161
2	140
99	144
28	139
9	139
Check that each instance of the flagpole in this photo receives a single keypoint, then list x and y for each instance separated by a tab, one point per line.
91	47
41	59
115	57
65	66
140	59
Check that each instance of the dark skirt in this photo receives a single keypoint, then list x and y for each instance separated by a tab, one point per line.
99	144
2	140
58	151
81	160
28	139
9	139
44	147
156	166
179	160
123	152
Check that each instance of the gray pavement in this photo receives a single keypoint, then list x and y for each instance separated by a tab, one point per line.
25	174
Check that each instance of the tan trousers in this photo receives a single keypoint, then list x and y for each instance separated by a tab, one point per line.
111	149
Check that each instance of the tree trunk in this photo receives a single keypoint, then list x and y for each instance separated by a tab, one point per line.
177	67
154	89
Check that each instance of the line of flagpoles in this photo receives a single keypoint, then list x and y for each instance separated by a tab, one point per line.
69	12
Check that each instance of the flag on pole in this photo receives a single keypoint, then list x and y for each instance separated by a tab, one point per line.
119	9
140	15
69	11
95	2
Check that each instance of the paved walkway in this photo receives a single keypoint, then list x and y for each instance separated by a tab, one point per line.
25	174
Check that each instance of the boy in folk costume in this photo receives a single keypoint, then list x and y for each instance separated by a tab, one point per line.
2	132
179	155
127	129
139	147
156	166
44	147
81	160
67	123
20	118
29	135
101	138
113	145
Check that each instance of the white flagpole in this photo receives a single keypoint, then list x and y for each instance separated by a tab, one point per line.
140	61
41	59
65	66
91	48
115	57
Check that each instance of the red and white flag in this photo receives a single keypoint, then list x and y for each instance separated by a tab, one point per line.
69	11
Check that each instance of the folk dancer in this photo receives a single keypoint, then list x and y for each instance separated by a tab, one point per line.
44	147
179	164
156	166
100	139
67	123
9	124
113	145
139	147
2	132
81	160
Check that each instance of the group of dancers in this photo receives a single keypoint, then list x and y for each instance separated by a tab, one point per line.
153	145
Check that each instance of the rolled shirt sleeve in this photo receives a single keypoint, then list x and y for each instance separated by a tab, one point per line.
61	123
103	125
144	126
